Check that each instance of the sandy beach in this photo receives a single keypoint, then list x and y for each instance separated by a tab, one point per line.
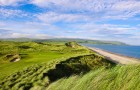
120	59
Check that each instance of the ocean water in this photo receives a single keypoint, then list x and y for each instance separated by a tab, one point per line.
131	51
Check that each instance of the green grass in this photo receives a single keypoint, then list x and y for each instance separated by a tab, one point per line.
35	53
58	66
36	60
124	77
44	63
41	75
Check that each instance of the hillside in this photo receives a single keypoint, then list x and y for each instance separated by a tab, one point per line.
41	63
88	41
66	40
61	66
31	53
118	78
42	75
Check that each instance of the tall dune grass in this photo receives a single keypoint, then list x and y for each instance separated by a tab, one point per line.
118	78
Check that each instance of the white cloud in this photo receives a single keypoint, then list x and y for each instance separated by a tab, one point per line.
51	17
31	28
97	9
44	36
11	13
123	10
41	3
2	24
113	9
9	2
104	31
19	35
73	4
126	5
25	35
105	9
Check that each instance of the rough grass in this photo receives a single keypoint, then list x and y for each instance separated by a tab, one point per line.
44	63
78	65
36	60
54	66
41	75
34	53
118	78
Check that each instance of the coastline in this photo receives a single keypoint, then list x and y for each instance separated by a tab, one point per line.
117	58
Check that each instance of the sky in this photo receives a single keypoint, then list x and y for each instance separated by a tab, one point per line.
113	20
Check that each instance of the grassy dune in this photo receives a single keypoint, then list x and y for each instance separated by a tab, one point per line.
118	78
38	77
60	66
43	63
35	60
32	53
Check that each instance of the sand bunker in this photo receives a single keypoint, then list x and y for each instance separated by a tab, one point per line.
12	57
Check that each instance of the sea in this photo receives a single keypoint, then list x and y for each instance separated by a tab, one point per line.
126	50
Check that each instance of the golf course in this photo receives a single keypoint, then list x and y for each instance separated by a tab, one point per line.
61	66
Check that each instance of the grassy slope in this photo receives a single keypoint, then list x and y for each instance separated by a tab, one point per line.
44	63
117	78
41	75
36	60
35	54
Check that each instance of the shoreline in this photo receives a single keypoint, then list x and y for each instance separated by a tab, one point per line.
116	53
117	58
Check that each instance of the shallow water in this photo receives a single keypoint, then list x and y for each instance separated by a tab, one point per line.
131	51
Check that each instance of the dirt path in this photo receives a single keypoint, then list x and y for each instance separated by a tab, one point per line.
115	57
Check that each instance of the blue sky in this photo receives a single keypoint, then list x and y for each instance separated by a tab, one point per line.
117	20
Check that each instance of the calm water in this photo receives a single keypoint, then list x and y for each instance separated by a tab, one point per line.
131	51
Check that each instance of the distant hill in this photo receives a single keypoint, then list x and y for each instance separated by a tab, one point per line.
65	40
18	39
87	41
